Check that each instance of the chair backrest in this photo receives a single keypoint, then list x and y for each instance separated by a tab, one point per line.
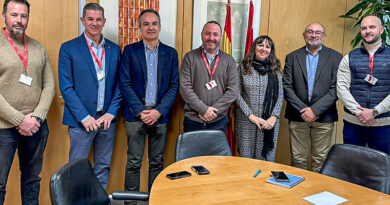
75	183
360	165
201	143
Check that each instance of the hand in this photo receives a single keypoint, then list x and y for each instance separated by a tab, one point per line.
308	114
28	126
366	116
202	118
91	124
269	123
105	120
258	121
210	114
150	116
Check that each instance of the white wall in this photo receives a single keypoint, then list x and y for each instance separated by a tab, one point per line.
168	11
110	29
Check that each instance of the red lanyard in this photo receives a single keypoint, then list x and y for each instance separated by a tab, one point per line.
25	58
371	62
94	55
208	67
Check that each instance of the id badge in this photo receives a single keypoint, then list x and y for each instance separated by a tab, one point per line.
210	85
371	79
100	75
25	79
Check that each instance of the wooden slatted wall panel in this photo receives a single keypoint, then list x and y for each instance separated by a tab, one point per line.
129	11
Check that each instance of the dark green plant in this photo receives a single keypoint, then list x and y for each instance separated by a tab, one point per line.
379	8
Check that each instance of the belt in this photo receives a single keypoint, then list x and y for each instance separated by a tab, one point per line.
149	107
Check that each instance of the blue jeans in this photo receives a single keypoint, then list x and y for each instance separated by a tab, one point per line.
30	152
190	125
136	133
375	137
103	144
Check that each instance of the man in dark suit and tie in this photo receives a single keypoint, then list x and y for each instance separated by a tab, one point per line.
309	82
88	70
149	85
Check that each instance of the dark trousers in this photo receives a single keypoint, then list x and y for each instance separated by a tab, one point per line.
190	125
136	133
30	152
375	137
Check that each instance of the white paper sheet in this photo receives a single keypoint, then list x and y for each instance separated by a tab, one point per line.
325	198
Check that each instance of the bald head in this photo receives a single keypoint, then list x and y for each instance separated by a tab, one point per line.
373	19
316	25
371	29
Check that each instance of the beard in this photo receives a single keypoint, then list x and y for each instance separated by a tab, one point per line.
207	48
313	44
15	31
374	39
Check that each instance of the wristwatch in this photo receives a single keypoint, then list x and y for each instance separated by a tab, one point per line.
375	112
38	119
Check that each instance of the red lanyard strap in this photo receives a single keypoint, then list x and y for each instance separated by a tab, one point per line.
371	62
208	67
23	58
94	55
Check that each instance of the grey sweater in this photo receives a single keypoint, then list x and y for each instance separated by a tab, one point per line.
193	78
18	99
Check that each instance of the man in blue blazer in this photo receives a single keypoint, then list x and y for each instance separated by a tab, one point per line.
149	85
88	76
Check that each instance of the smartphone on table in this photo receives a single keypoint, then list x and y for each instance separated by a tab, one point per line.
280	176
178	175
199	169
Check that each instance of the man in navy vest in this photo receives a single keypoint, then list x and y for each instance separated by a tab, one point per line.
363	85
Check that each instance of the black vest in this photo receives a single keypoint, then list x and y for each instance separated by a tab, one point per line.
367	95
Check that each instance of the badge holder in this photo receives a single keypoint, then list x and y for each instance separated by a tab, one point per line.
25	79
210	85
371	79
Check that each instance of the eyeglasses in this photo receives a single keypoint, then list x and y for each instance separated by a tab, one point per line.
318	33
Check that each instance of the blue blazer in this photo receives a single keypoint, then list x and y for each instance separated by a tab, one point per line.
79	84
133	78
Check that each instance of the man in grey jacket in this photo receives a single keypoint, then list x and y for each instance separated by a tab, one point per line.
208	82
309	82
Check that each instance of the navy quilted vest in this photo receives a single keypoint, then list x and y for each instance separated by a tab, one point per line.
367	95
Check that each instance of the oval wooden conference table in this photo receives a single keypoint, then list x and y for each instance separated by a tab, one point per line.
231	181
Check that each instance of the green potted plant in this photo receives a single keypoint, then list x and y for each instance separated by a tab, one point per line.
379	8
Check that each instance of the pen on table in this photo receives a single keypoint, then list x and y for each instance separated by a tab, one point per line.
257	173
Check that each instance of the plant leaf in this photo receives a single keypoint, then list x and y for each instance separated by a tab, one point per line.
363	8
347	17
356	40
367	13
360	6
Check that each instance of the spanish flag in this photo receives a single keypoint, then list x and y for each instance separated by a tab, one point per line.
227	32
249	32
227	48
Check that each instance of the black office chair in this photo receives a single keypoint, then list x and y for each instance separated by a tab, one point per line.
360	165
76	184
201	143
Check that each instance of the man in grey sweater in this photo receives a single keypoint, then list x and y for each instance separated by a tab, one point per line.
208	82
26	92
